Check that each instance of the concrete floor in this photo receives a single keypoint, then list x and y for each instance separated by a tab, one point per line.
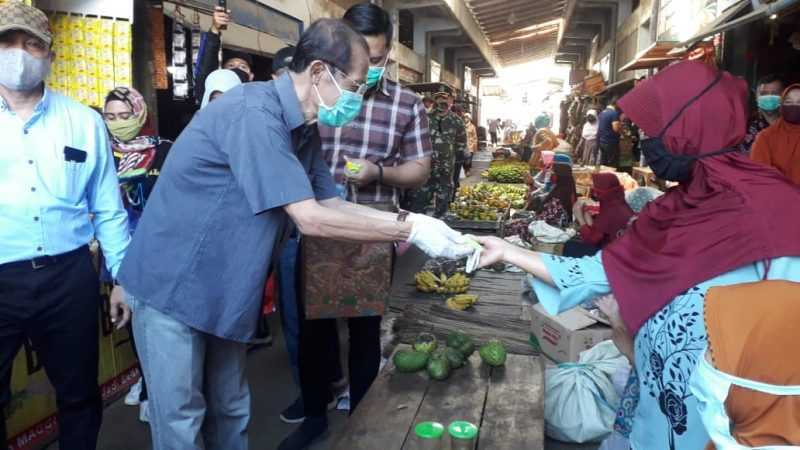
272	390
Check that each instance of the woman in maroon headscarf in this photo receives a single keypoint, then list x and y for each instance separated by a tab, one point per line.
725	223
556	207
614	213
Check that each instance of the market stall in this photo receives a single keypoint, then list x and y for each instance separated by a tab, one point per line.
506	403
502	398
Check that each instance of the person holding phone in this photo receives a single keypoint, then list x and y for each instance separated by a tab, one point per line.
210	44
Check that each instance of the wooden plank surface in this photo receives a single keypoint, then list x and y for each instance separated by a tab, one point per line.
460	397
441	321
499	294
513	416
386	414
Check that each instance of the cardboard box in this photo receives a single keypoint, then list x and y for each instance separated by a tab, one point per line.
563	337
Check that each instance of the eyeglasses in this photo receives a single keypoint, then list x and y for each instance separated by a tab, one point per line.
356	87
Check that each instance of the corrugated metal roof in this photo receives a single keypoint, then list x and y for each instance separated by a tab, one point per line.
519	30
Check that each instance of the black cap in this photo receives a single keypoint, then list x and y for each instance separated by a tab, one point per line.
282	59
230	54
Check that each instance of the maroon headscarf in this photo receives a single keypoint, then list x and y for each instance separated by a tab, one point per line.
730	213
564	189
614	211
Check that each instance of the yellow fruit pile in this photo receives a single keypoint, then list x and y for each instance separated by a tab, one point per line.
461	302
428	282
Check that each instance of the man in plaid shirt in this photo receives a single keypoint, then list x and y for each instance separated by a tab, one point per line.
390	137
390	140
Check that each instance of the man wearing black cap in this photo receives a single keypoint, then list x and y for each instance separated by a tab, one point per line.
209	51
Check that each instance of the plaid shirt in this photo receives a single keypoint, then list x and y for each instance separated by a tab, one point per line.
391	130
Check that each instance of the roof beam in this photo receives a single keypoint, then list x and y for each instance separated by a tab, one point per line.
517	6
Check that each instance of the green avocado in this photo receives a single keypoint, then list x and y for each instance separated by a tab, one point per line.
493	353
408	361
439	367
426	343
462	343
454	357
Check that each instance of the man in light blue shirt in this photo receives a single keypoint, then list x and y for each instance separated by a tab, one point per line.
58	191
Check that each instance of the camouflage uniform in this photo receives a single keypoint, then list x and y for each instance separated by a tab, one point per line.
448	136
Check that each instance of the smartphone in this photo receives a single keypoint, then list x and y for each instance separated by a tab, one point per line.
224	5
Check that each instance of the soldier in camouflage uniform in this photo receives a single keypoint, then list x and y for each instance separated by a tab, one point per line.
448	136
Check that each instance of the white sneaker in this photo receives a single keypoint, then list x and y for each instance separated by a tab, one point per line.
144	415
132	398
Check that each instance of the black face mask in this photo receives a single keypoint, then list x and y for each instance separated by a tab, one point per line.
666	165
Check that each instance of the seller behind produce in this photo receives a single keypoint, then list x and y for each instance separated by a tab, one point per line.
57	171
196	267
614	213
726	223
388	149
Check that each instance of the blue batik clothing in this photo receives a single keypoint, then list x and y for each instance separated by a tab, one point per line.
667	347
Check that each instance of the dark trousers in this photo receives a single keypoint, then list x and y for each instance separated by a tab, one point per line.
493	135
364	360
56	309
610	154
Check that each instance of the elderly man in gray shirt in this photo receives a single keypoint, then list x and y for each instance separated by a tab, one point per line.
196	268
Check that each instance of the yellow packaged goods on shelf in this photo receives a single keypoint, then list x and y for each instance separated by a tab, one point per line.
93	55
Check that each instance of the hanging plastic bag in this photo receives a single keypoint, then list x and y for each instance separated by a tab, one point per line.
580	400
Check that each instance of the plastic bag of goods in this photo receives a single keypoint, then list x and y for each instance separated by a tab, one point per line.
580	399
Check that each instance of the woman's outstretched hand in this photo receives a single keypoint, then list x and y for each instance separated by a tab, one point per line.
494	249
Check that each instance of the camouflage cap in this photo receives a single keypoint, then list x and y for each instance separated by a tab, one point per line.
441	94
15	15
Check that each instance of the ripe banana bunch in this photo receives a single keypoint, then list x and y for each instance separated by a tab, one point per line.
457	284
426	282
461	302
430	283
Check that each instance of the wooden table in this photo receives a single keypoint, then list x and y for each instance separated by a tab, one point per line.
498	313
507	404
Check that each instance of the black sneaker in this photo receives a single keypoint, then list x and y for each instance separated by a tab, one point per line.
312	429
294	413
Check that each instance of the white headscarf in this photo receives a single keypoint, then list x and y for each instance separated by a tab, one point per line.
220	80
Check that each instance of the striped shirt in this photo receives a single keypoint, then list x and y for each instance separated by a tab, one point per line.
391	130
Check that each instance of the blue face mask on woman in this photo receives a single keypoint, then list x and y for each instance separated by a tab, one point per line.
711	387
346	109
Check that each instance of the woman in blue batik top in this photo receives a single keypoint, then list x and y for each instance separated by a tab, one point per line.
726	223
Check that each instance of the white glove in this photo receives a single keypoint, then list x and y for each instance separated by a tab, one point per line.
436	239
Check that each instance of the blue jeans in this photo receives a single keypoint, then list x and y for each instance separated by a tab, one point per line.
199	398
287	297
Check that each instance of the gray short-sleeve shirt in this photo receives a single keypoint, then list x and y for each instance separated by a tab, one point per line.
204	245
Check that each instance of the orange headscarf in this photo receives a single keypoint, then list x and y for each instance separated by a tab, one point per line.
779	145
752	333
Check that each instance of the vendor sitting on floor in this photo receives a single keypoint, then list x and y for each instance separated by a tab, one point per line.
614	214
555	208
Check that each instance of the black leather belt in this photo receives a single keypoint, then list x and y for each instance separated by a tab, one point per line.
41	262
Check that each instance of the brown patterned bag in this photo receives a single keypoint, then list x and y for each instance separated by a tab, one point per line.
346	279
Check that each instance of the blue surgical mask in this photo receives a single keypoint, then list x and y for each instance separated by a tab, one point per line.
769	103
711	387
346	109
374	74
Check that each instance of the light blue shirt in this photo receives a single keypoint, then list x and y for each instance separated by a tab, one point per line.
55	170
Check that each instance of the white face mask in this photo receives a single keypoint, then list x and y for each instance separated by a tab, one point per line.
21	70
711	387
